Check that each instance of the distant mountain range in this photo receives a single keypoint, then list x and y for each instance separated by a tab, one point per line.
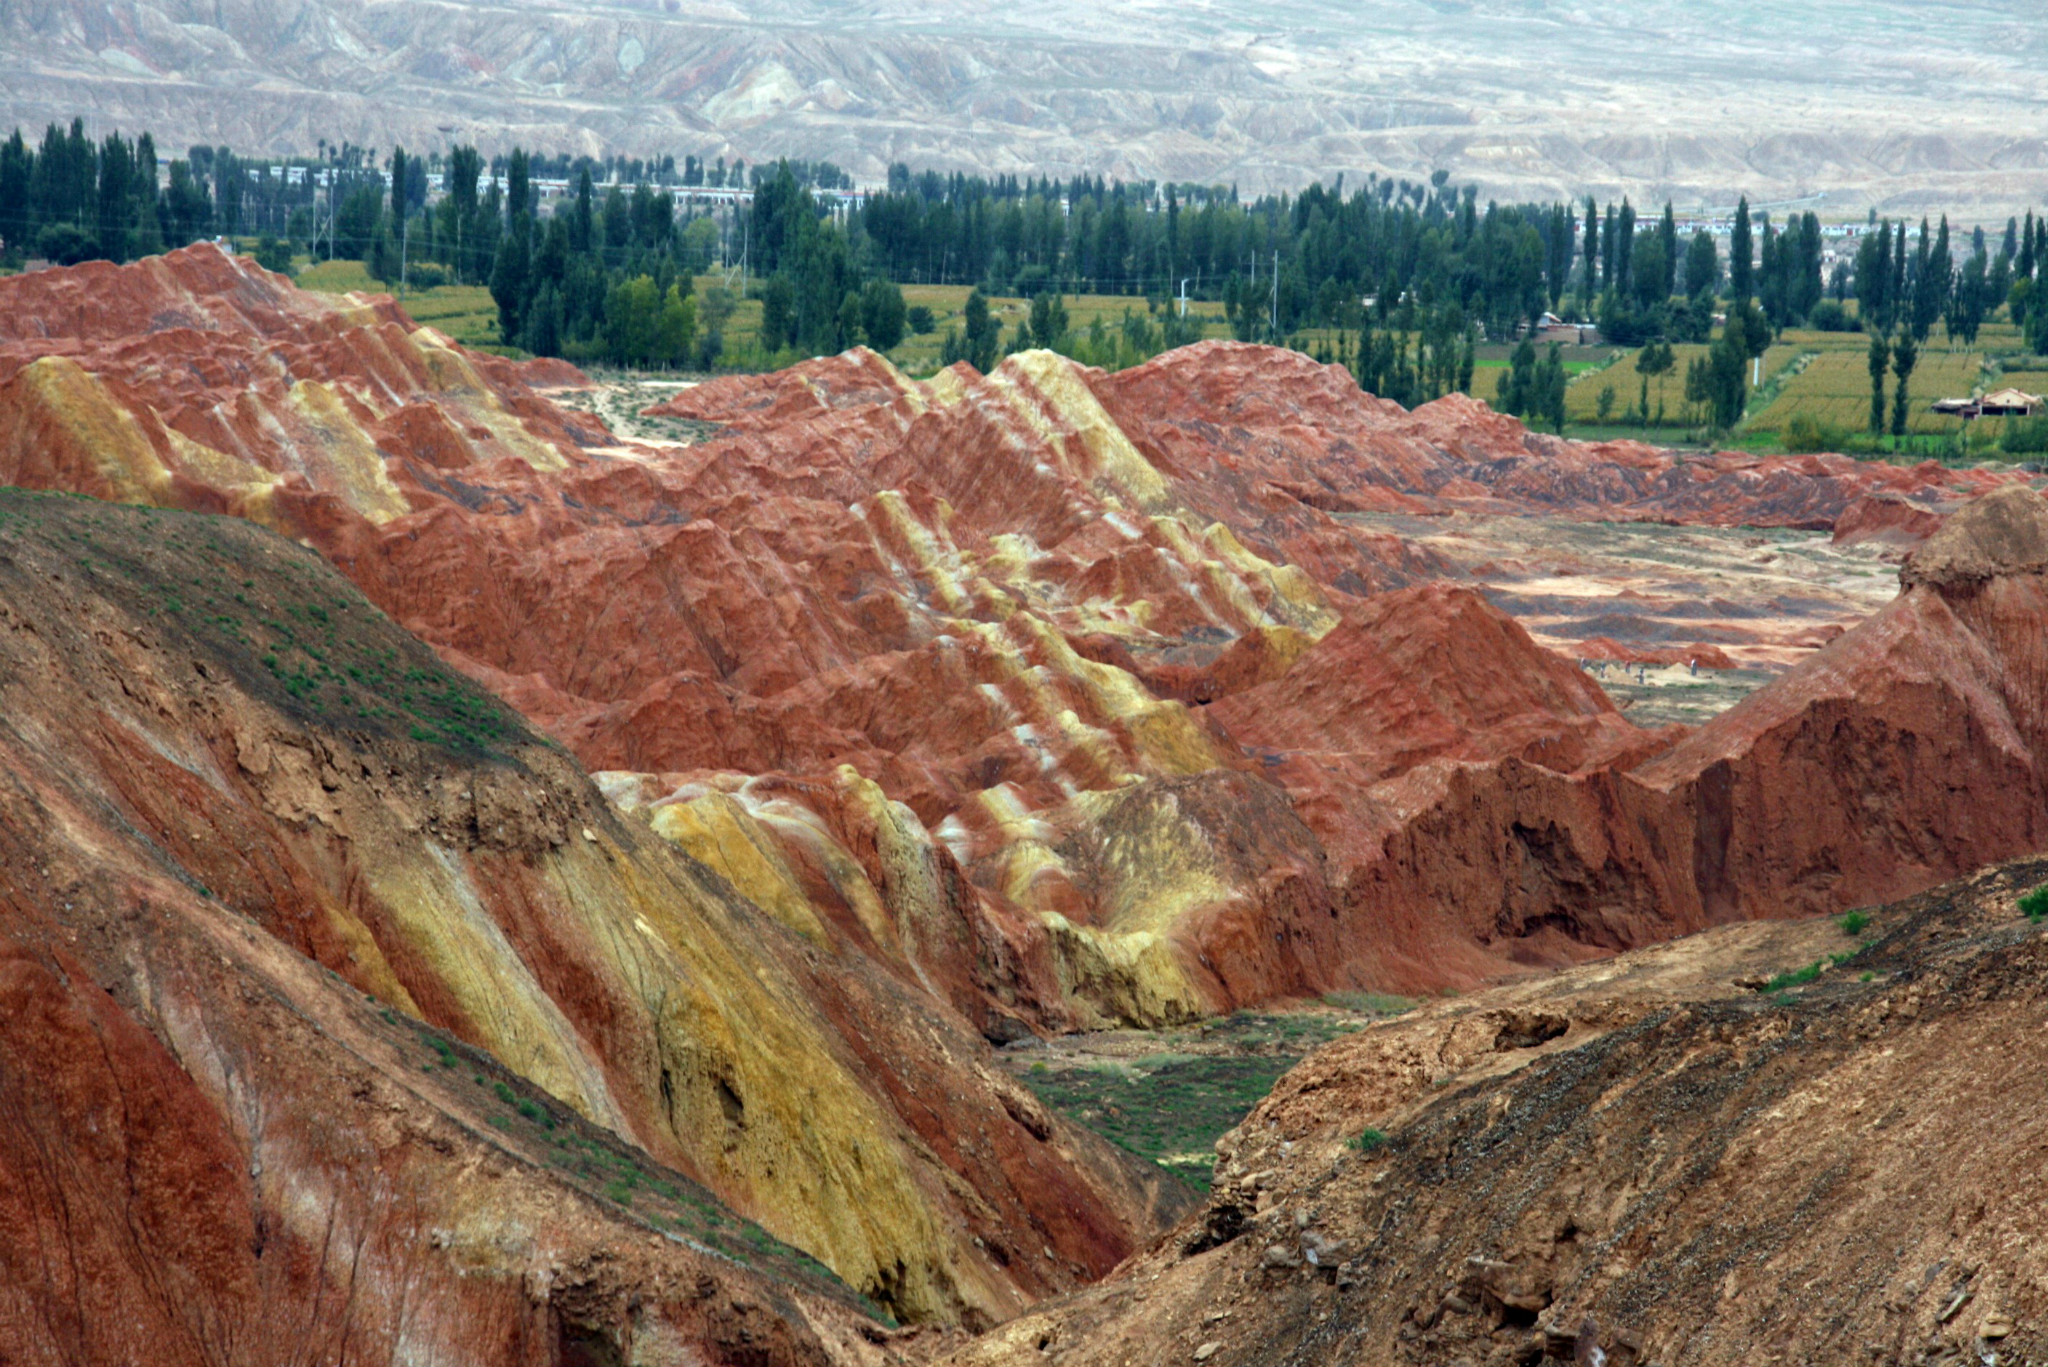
1909	106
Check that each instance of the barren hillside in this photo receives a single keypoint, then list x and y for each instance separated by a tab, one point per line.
1901	104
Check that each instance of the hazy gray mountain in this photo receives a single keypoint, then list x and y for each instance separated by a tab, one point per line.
1908	104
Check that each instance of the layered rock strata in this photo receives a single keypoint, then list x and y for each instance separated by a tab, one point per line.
1841	783
249	828
927	713
1023	686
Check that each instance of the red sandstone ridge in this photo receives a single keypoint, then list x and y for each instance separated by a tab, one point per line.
1824	787
1840	784
929	666
199	380
1887	518
1430	673
1250	409
340	1008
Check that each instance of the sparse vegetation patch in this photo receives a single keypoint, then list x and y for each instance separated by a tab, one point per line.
294	632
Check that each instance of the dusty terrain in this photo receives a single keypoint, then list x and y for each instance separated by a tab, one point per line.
1678	624
1904	105
621	404
1765	1143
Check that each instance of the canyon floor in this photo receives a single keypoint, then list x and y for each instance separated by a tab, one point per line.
1764	1143
1763	597
1678	624
1168	1095
621	404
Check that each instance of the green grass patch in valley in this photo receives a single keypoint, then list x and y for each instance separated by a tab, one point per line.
1169	1103
1371	1003
1166	1109
466	313
1797	977
2034	905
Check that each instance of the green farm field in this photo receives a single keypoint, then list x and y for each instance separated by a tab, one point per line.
1667	391
467	313
920	355
1833	388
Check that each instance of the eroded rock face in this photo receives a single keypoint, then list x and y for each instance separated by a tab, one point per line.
238	798
1064	698
1836	785
1668	1157
928	714
199	380
1999	536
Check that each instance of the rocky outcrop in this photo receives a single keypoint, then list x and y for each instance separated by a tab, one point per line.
248	823
1767	1140
1835	786
198	380
1888	519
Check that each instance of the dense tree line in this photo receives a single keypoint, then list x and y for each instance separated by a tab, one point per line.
564	166
73	199
593	281
611	279
1898	287
1280	264
1410	277
70	199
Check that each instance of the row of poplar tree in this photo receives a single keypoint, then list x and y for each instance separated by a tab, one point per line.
1418	274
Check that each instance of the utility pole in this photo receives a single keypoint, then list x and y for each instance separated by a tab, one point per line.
1184	296
1276	295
